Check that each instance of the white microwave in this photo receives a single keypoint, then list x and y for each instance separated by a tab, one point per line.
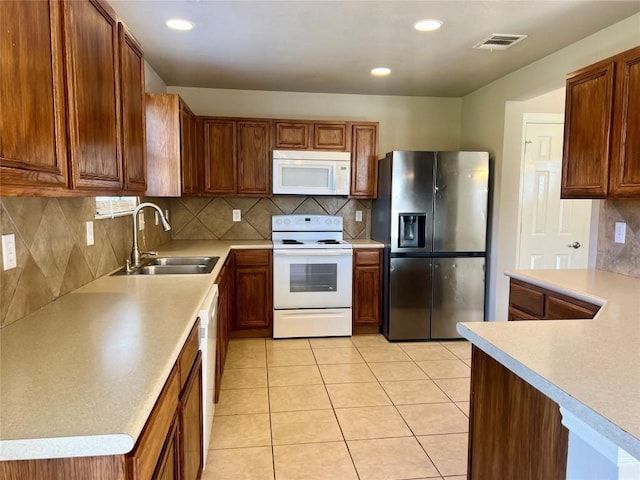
305	172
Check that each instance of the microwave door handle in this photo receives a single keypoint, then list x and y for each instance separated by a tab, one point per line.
315	253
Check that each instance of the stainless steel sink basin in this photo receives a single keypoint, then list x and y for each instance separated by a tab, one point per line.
173	266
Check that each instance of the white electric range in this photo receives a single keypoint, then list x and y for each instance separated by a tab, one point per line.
312	276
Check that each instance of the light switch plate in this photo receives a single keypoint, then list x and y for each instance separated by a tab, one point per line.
9	260
166	214
90	239
358	215
237	215
157	218
621	232
140	221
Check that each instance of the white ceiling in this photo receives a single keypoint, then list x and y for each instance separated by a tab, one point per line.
330	46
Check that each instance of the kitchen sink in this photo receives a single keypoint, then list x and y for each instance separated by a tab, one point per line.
173	266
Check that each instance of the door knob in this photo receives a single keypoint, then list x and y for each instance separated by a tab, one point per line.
575	245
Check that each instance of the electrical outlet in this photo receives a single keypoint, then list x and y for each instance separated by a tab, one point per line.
9	260
90	239
140	221
237	215
620	232
166	214
358	215
157	218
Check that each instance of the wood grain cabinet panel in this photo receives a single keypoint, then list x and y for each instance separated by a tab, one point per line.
225	312
171	149
601	157
367	287
530	302
93	95
330	136
33	146
219	156
253	314
514	430
191	438
133	112
254	161
292	135
168	467
364	160
625	161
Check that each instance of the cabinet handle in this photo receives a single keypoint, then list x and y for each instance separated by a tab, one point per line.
575	245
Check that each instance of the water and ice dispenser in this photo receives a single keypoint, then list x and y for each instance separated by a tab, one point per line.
412	230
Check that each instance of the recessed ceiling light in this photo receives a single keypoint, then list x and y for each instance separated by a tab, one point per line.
428	25
380	71
179	24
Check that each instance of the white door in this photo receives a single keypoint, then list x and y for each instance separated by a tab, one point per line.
554	233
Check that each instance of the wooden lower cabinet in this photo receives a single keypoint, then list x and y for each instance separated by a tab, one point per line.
191	424
253	289
367	290
169	464
225	309
530	302
514	430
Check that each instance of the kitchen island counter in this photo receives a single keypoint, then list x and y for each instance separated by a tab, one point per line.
80	376
591	368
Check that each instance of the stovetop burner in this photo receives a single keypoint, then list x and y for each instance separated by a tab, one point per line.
329	242
288	241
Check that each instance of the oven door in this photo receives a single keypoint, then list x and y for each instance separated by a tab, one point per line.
314	278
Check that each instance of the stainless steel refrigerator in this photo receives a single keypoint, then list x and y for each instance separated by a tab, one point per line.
432	214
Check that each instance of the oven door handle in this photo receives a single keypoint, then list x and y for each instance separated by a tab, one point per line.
317	252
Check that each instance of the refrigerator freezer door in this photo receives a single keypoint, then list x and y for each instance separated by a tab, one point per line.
458	294
460	215
409	299
411	194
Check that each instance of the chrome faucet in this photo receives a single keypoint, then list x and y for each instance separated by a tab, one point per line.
136	255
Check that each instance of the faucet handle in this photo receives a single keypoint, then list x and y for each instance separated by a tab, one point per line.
151	253
127	266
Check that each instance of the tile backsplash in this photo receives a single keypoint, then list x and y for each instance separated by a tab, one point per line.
621	258
52	252
211	218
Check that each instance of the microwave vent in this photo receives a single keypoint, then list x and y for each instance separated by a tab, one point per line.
499	41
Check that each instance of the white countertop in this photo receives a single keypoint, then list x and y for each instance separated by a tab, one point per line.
80	376
365	243
590	367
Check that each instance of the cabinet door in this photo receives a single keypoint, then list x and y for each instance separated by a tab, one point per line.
292	135
625	157
133	119
219	156
188	149
33	149
527	299
561	308
191	424
587	132
254	162
93	95
330	136
169	463
367	287
253	290
364	160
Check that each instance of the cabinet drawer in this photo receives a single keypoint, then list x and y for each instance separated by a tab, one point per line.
188	354
560	307
366	257
330	136
527	298
145	456
517	315
253	258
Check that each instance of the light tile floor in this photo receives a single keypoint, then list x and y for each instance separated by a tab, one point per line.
355	408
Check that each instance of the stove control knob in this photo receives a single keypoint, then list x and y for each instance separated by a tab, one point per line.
287	222
328	221
336	221
278	222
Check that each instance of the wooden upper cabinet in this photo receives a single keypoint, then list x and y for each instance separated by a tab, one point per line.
330	136
33	149
93	95
587	130
625	156
602	129
364	160
171	150
292	135
133	114
219	156
254	162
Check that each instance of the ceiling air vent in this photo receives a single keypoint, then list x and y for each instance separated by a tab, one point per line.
499	41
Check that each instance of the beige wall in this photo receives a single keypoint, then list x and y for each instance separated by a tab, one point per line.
487	114
406	123
152	81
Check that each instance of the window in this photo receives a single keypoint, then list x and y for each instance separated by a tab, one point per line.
109	207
